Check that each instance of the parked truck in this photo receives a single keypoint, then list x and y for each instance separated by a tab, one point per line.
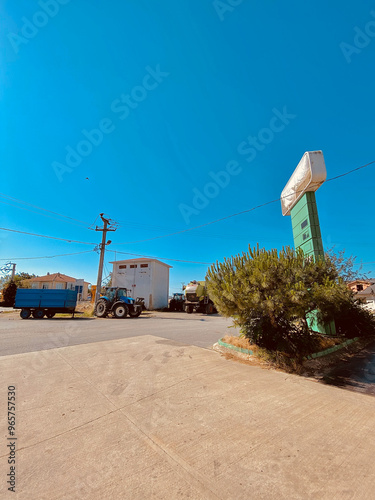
45	302
197	299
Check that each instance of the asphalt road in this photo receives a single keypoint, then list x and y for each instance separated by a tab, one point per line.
21	336
356	374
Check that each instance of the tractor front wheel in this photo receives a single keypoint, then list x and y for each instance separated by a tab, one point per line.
101	308
120	311
189	308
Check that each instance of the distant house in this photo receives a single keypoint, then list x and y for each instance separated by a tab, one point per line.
367	296
359	285
365	291
58	281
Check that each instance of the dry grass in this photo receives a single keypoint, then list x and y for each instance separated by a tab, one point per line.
87	308
242	342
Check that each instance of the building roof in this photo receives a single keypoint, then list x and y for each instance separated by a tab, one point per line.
142	259
56	277
370	290
370	282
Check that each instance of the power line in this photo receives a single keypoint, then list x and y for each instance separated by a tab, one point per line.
242	212
189	229
44	215
48	256
44	236
164	258
39	208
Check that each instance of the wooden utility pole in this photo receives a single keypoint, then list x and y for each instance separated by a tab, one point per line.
105	229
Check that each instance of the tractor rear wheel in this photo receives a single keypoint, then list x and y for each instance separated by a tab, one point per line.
135	312
120	311
101	308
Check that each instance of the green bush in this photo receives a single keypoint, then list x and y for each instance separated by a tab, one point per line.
270	295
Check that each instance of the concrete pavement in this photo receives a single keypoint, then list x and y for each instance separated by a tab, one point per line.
148	417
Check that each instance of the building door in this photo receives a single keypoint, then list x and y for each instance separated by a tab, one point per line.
143	281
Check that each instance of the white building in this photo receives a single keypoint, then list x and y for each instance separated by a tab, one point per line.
147	278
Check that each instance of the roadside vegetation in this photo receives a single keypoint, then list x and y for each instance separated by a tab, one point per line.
272	296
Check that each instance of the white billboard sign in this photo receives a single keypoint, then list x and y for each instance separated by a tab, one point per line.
308	176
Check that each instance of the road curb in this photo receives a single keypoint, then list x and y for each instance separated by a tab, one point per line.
311	356
235	348
331	349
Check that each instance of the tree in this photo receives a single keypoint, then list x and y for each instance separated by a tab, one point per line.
270	295
346	265
7	284
9	294
20	279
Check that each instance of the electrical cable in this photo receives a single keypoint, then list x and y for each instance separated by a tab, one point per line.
39	208
38	213
163	258
184	230
242	212
48	256
49	237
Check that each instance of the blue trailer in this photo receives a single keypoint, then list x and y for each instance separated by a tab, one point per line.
44	302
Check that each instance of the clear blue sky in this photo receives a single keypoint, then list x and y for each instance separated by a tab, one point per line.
177	88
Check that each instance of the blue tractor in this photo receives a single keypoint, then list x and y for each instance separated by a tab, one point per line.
117	303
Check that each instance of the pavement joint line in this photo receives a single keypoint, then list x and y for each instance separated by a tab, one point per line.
85	379
166	388
179	463
63	433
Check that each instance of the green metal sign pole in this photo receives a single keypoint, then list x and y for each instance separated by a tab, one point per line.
307	236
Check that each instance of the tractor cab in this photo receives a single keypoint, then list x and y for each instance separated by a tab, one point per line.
113	294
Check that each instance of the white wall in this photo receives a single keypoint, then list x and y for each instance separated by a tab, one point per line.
150	282
160	284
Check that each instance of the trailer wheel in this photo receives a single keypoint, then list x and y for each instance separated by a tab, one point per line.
38	314
50	314
101	308
25	313
189	308
120	311
134	313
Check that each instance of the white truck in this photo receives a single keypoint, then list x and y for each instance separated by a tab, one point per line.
197	299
